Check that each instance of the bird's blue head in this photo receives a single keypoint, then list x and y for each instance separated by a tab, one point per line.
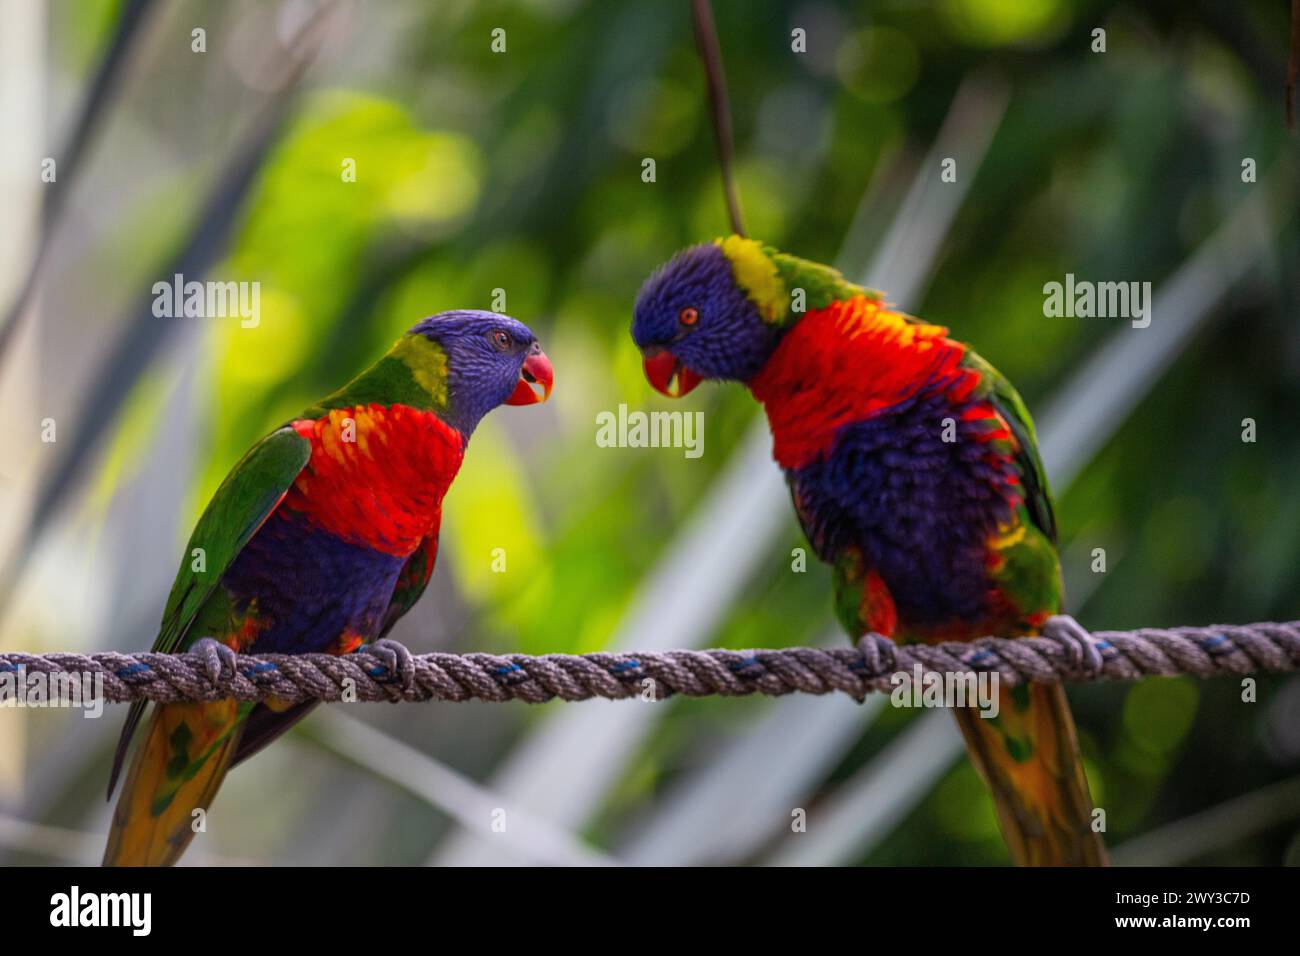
699	317
491	360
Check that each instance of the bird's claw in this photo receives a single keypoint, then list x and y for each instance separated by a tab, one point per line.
1068	632
396	658
218	659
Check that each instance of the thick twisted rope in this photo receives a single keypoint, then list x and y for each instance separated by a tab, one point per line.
387	671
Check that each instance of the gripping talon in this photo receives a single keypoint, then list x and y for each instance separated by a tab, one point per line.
218	659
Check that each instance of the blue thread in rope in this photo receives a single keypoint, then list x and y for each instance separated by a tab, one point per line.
210	671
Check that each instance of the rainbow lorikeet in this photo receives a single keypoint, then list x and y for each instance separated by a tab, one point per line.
913	469
319	540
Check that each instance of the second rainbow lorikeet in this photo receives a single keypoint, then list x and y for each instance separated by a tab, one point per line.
319	540
913	469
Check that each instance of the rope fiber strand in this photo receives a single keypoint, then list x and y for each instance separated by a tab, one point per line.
387	671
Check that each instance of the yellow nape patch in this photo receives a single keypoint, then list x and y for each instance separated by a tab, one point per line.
756	274
1010	534
428	363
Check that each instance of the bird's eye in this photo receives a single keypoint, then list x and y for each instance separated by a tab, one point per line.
689	315
500	339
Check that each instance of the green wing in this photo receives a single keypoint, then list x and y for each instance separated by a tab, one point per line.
243	502
1002	395
411	582
252	490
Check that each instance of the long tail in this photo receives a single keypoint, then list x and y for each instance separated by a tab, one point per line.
1029	756
176	770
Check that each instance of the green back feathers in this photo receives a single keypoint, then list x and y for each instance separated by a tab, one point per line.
413	372
783	287
996	389
822	284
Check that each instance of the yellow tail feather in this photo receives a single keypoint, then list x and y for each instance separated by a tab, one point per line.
1029	757
175	771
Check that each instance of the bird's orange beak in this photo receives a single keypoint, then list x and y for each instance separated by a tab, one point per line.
668	375
535	380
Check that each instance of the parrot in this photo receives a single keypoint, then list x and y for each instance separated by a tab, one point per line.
318	541
913	468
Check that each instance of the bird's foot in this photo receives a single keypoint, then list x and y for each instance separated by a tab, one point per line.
395	658
1072	635
218	659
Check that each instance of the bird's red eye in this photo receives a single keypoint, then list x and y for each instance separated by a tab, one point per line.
689	315
500	339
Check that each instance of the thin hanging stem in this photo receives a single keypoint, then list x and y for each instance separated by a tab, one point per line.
706	36
1293	66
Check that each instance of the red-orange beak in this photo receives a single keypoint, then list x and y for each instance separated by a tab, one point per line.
668	375
535	380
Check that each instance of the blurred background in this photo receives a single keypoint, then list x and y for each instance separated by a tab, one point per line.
521	170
